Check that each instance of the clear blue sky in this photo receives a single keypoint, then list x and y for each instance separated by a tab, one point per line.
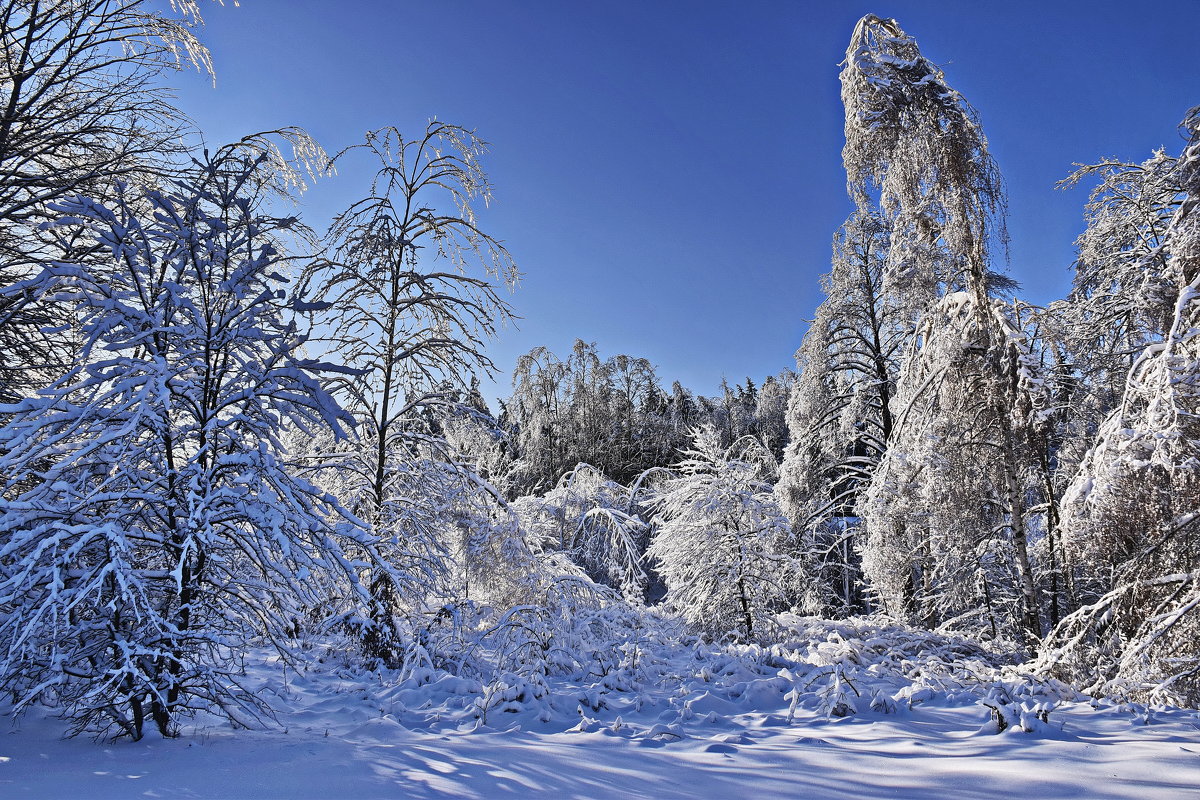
668	174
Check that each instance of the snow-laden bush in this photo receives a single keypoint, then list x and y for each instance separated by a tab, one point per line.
722	542
593	523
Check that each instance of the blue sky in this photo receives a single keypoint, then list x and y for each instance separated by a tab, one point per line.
668	174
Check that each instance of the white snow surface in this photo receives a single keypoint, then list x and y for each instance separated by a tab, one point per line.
669	717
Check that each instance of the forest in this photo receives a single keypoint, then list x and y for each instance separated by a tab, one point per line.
227	437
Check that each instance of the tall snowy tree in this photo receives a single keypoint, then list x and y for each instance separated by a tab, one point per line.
411	303
839	416
1122	301
916	152
947	512
150	526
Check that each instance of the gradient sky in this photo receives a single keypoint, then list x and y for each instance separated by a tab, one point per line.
668	174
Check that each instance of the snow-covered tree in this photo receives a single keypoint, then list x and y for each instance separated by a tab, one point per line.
839	416
915	151
476	439
538	410
965	397
947	512
150	526
770	411
1123	300
722	542
1124	291
408	287
1130	515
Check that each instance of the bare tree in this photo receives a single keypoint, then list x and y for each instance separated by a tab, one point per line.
81	107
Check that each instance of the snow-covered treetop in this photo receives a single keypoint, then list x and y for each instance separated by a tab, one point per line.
915	147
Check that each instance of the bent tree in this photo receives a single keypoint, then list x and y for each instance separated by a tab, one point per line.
915	153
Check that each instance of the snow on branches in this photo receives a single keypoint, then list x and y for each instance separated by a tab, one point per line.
150	526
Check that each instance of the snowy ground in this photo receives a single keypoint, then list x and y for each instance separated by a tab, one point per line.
679	721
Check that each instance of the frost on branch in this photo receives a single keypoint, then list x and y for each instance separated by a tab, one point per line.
915	149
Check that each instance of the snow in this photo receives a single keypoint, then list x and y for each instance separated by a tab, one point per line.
691	720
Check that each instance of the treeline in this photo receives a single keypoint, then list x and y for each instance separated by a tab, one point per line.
220	425
615	415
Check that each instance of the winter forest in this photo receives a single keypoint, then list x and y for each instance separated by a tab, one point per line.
243	460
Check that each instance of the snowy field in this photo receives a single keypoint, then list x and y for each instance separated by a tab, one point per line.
838	711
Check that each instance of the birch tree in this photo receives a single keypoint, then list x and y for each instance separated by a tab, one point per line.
411	302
